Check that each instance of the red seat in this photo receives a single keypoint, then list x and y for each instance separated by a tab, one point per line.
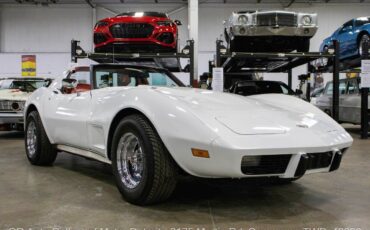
81	87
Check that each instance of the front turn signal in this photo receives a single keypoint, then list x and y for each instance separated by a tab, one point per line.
200	153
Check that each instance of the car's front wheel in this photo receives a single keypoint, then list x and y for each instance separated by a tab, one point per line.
364	38
144	170
39	150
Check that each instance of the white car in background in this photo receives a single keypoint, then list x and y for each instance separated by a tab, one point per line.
13	95
149	127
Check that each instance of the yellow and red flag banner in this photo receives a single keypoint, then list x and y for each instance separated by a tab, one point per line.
28	65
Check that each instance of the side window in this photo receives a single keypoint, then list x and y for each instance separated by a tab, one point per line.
284	90
329	89
83	77
342	87
346	27
362	21
352	87
108	79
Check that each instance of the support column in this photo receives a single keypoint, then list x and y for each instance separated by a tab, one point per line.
93	24
335	105
193	6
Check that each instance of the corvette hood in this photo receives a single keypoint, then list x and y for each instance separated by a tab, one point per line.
262	114
13	94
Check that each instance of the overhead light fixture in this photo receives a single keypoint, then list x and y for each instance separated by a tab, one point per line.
139	14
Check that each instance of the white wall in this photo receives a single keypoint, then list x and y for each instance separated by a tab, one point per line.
47	31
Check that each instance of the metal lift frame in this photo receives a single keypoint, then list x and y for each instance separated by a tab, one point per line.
78	53
291	60
365	112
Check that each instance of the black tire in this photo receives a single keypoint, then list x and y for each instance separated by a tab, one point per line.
43	152
159	171
363	38
304	46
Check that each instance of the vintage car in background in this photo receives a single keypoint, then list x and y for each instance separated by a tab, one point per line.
315	94
13	95
136	32
270	31
350	35
150	128
254	87
349	100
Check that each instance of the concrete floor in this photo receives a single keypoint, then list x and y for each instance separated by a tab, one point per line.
81	194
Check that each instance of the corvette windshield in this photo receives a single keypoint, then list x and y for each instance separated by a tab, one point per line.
113	77
23	85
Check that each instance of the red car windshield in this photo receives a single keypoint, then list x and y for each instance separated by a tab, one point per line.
140	14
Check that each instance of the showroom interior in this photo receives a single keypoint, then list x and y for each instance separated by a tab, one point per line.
181	128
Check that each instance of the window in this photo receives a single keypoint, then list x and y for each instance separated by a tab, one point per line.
107	76
346	27
23	85
83	77
352	87
362	21
342	87
329	89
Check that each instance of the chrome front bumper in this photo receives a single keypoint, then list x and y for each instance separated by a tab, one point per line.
303	31
11	118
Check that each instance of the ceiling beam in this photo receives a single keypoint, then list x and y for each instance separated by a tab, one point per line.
290	3
107	10
259	1
89	3
326	1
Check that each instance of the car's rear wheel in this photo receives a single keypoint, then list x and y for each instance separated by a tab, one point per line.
364	38
144	170
39	150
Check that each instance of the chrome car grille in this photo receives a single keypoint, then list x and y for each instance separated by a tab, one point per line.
131	30
276	19
11	106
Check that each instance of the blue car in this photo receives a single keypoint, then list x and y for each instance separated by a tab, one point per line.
351	35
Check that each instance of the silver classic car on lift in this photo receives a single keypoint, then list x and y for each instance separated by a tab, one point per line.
349	100
272	31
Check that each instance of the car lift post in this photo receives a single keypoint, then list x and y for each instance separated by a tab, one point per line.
290	76
335	101
364	98
73	51
218	53
191	54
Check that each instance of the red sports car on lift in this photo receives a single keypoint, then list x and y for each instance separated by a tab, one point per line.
136	32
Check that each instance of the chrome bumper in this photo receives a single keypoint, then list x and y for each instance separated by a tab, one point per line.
303	31
11	118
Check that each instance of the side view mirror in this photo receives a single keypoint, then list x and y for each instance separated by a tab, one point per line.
177	22
68	85
298	92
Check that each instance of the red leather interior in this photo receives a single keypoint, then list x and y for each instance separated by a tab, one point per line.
81	88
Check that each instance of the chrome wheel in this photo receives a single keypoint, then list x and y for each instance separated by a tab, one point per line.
31	138
130	163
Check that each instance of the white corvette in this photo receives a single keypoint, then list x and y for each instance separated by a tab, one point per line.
149	127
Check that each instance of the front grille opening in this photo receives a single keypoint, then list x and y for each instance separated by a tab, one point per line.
273	19
131	30
99	38
319	160
266	164
166	38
